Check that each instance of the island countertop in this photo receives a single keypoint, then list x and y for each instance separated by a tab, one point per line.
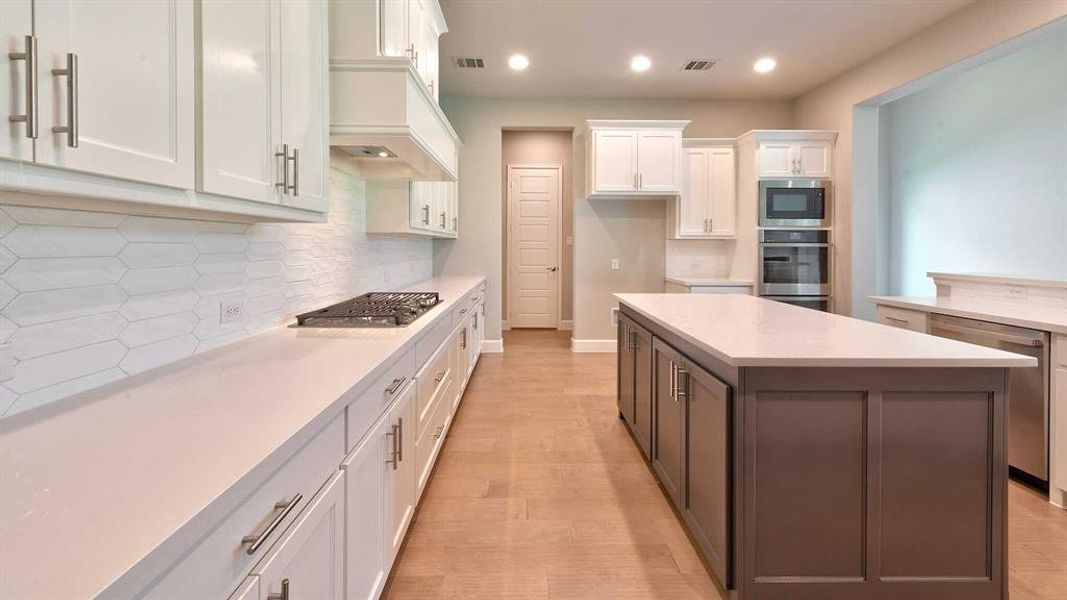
747	331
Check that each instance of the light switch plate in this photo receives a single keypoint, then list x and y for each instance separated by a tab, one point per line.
614	317
7	362
614	264
570	240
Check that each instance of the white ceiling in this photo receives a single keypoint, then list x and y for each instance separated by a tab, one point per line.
583	47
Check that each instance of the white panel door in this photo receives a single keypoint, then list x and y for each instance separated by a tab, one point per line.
16	23
305	101
365	565
394	27
813	159
722	192
693	203
776	159
399	467
241	120
615	161
659	161
308	561
533	248
134	114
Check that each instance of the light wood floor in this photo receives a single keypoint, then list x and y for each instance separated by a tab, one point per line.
539	492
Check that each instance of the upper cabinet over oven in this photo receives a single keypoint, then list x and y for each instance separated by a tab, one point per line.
634	158
786	154
104	97
384	86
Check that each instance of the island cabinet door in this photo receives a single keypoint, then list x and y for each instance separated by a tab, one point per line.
707	497
642	422
626	371
668	449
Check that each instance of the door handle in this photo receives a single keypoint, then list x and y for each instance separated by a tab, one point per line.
283	508
674	381
28	54
285	592
425	214
296	172
681	391
553	269
71	73
395	385
284	155
394	454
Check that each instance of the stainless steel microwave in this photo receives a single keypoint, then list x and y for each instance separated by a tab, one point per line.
794	203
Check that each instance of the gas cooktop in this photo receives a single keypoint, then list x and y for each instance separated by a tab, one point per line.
376	309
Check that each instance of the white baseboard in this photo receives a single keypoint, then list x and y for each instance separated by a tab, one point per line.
583	346
504	325
492	346
566	325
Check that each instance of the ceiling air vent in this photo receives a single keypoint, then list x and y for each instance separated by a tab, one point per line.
699	64
469	63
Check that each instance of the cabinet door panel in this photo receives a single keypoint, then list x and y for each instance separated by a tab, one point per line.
625	355
420	205
135	88
659	161
693	201
365	564
394	27
643	381
615	161
399	481
16	22
240	72
308	560
813	158
707	504
304	100
776	159
722	204
668	455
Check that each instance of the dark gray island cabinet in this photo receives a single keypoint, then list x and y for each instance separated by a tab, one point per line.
814	456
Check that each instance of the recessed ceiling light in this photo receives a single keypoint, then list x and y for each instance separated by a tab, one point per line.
383	154
518	62
765	65
640	63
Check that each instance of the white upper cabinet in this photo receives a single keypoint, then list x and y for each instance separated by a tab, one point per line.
634	158
424	208
264	125
304	100
308	560
241	120
411	28
117	89
393	17
795	154
16	90
707	205
659	161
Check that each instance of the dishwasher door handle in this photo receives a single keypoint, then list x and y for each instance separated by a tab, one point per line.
995	335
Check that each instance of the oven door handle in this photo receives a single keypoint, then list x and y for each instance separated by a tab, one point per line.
792	245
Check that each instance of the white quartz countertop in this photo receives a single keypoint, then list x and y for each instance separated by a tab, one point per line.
748	331
131	471
1044	318
708	281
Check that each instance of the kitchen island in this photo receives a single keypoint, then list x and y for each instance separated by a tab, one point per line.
812	455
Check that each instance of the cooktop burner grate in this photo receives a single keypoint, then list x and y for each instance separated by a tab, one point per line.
375	309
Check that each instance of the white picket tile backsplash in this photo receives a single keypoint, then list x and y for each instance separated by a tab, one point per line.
87	298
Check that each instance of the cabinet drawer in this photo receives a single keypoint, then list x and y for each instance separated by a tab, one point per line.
428	344
902	318
428	443
220	562
365	410
432	386
463	312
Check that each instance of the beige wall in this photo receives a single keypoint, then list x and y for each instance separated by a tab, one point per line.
631	230
834	106
540	147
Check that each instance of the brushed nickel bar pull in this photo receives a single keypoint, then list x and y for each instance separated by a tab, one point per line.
393	387
444	218
284	155
400	439
296	172
29	54
425	214
896	320
463	338
285	592
682	391
395	453
440	430
439	377
674	381
71	73
284	509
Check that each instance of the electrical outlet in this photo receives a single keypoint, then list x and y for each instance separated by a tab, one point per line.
7	362
614	317
614	264
231	310
570	240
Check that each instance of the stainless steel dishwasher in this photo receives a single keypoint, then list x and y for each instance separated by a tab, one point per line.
1028	390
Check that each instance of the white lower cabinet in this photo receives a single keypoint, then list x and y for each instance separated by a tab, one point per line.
399	468
365	565
307	561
